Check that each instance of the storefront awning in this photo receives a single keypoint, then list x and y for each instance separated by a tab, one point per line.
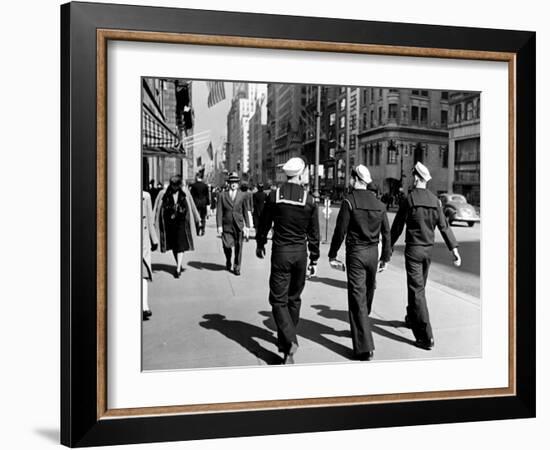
157	138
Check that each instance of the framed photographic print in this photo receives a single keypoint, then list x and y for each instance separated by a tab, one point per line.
277	224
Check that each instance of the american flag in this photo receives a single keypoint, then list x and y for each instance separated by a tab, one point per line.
216	92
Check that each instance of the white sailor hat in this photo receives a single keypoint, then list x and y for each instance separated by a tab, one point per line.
362	173
294	166
422	171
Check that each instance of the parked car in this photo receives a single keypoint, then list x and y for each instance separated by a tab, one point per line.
457	209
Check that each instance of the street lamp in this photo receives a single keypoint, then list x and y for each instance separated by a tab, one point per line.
402	174
317	145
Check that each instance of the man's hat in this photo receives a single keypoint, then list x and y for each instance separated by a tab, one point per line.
233	177
294	166
422	171
362	173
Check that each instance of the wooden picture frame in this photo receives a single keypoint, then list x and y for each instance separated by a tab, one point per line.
85	30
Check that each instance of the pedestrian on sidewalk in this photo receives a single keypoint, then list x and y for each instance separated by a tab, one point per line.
362	219
201	196
293	213
421	211
149	244
232	220
175	213
258	201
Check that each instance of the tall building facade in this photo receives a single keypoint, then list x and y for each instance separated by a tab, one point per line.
243	106
257	141
336	123
286	121
399	127
464	146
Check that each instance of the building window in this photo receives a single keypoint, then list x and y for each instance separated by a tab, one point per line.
371	94
458	113
469	111
423	116
424	93
444	95
342	122
332	119
342	140
342	89
392	155
415	92
371	155
365	124
342	104
444	117
394	91
331	152
393	111
477	108
377	160
371	118
364	91
379	115
380	93
414	114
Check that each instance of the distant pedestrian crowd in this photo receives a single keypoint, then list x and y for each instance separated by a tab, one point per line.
175	215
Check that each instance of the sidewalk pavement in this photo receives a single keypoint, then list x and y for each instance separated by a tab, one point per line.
211	318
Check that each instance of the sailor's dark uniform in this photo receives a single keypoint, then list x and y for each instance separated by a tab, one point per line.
421	211
293	214
362	220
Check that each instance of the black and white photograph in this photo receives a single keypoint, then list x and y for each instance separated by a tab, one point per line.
288	224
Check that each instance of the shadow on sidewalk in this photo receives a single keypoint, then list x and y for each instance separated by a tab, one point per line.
376	324
206	266
168	268
314	331
343	284
243	334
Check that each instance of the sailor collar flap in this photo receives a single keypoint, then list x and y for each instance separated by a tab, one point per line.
364	200
291	194
423	198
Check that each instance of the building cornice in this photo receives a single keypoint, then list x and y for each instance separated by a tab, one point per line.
403	129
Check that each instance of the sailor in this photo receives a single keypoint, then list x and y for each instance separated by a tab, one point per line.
362	219
293	213
421	211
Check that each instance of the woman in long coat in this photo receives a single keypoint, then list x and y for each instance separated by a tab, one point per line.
174	212
149	243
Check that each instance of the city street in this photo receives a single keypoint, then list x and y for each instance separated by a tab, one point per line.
211	318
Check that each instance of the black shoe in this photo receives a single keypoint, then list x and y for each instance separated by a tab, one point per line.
237	271
367	356
289	356
146	314
426	344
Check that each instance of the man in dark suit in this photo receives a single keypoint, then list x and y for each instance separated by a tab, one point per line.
258	202
232	219
201	195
